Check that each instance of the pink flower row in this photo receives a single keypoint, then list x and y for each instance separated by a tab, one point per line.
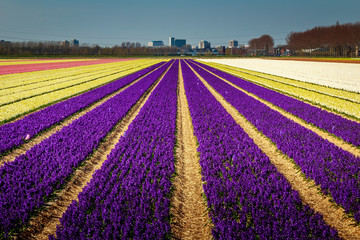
10	69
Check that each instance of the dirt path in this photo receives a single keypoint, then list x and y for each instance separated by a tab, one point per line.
190	218
45	223
47	133
322	133
332	214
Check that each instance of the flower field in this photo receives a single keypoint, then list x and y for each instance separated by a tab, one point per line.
56	85
21	67
335	75
334	99
116	167
36	61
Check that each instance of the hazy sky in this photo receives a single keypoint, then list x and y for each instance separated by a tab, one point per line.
110	22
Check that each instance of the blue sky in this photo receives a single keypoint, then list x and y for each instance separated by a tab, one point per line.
110	22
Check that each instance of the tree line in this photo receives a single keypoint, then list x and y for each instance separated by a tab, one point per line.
339	40
57	48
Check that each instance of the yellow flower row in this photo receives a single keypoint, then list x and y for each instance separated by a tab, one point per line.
25	86
330	102
13	94
19	108
5	63
311	86
12	80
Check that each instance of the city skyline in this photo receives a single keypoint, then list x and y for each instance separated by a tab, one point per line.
109	23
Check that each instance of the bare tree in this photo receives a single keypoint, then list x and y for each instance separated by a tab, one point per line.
341	40
263	45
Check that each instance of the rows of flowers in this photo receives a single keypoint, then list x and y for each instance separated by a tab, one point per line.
21	79
333	103
28	89
26	81
246	196
336	171
22	61
129	197
346	129
336	75
11	69
13	94
33	178
16	133
352	96
11	111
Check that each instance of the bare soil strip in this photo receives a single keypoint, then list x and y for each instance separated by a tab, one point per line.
47	133
45	223
333	215
190	216
322	133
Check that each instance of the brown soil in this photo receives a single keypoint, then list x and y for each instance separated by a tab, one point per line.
47	133
318	60
45	223
322	133
332	214
190	218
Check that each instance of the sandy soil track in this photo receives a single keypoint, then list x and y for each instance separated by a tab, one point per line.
190	220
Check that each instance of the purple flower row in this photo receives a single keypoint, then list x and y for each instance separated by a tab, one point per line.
346	129
335	170
29	181
246	196
14	134
128	198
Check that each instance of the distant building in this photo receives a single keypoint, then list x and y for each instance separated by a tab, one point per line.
205	45
74	43
180	43
233	44
172	42
155	44
221	49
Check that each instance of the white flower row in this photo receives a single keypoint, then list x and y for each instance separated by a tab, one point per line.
337	75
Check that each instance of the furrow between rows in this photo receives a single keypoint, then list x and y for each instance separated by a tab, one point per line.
190	217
